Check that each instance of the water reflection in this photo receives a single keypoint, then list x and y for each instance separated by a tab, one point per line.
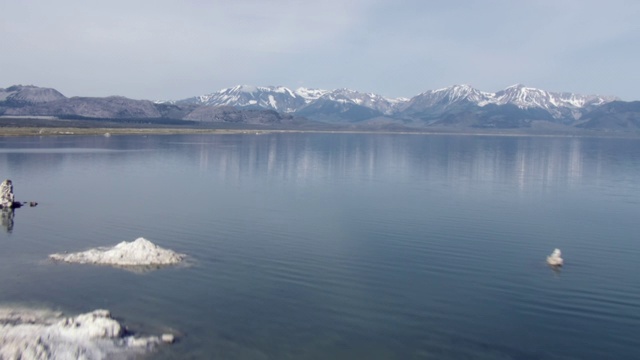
532	163
6	216
396	235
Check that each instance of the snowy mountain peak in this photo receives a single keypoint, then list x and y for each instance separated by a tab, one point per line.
451	95
369	100
278	98
310	94
515	86
282	99
241	88
456	88
524	97
558	105
250	89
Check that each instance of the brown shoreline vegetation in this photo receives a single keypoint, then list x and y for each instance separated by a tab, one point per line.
108	131
27	131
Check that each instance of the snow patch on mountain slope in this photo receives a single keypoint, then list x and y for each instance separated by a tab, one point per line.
310	94
282	99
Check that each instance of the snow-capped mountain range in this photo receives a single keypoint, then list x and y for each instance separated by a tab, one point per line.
276	98
460	107
282	99
557	104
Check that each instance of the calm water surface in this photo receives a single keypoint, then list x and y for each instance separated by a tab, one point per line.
339	246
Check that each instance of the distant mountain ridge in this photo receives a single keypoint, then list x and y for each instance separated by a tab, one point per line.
458	106
557	104
29	100
29	94
282	99
323	104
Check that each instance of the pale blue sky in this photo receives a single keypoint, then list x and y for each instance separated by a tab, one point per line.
176	49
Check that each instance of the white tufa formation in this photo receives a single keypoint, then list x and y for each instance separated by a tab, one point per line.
6	194
555	259
140	252
43	335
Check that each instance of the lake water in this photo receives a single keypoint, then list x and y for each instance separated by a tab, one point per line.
339	246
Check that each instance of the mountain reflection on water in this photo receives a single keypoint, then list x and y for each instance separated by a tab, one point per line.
525	161
470	158
340	246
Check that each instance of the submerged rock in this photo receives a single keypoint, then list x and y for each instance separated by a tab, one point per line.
138	253
42	334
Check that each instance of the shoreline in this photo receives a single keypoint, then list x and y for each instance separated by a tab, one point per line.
16	131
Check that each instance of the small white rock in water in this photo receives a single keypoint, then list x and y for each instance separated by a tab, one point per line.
167	338
140	252
555	259
41	334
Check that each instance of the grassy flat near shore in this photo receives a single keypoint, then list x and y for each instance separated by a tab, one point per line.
48	127
10	126
106	131
26	131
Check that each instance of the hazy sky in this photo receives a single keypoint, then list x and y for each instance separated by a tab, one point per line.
176	49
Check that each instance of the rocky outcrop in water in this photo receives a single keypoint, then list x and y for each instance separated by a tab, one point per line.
44	335
7	198
136	255
555	259
8	203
